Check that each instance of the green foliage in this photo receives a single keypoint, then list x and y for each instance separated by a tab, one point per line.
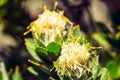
38	50
13	76
95	68
97	71
2	2
114	69
3	73
31	45
39	72
76	32
41	52
103	74
78	36
2	8
101	39
54	49
16	76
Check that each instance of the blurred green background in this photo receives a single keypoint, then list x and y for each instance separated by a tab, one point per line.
16	15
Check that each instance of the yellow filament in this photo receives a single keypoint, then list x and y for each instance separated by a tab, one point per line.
37	64
55	5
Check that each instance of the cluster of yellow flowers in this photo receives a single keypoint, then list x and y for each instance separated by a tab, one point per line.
73	56
49	24
74	53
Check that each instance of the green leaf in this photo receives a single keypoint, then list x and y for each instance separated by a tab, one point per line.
54	49
103	74
41	44
39	72
117	36
41	51
113	69
79	36
57	38
3	2
101	39
16	75
119	69
95	67
1	76
31	69
31	45
76	31
3	73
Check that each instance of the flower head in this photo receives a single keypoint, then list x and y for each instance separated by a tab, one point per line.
73	56
49	24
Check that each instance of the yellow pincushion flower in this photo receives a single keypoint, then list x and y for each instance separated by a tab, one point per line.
73	57
49	24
